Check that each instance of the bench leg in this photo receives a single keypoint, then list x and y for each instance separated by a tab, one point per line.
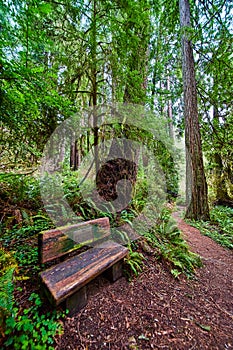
114	272
77	301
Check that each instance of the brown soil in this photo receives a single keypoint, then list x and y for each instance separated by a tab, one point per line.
155	311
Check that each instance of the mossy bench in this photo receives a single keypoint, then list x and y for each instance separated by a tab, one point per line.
66	281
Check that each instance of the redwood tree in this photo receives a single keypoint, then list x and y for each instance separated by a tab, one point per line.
196	186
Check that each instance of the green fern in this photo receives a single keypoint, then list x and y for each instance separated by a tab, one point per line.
7	261
6	290
133	262
171	247
7	268
220	227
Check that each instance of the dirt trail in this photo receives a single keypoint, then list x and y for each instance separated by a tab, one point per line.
155	311
217	274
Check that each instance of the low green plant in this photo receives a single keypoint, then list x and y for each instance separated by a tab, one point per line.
27	258
32	330
7	261
20	187
7	268
140	192
133	261
39	222
21	241
127	216
220	226
165	237
6	291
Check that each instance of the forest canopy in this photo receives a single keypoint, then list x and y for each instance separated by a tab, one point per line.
58	57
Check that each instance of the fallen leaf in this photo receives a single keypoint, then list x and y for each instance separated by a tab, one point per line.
142	336
132	343
203	326
127	322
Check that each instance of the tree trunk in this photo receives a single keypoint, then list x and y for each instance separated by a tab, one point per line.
197	207
77	153
169	111
94	85
220	175
220	180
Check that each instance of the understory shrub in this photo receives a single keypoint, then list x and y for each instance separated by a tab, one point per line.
166	238
28	329
220	226
7	268
134	261
32	329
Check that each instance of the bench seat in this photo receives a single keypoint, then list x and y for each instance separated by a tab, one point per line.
66	281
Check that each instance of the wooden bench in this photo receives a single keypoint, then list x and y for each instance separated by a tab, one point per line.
66	281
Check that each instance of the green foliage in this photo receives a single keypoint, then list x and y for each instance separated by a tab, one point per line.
127	216
220	228
21	207
6	291
7	268
140	193
133	261
20	204
30	101
169	164
215	83
22	220
22	242
165	237
7	261
14	236
32	329
27	258
85	208
166	241
18	187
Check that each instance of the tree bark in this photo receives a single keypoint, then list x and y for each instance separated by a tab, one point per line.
74	155
197	205
220	175
94	84
169	111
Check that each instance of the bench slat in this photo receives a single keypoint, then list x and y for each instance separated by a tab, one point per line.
61	241
71	275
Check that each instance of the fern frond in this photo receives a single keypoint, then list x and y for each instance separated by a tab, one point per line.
6	295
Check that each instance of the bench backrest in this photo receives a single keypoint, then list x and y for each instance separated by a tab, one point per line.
61	241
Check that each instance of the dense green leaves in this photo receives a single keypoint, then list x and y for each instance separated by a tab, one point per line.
29	93
220	228
58	57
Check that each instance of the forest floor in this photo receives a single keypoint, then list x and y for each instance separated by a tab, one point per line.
156	311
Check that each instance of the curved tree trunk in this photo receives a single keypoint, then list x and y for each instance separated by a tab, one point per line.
197	205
